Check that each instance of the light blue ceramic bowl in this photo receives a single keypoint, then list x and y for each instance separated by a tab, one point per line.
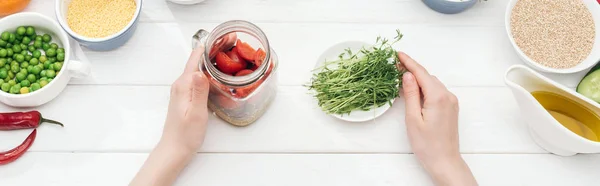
101	44
450	6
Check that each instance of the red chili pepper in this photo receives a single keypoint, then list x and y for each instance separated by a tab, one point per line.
14	154
23	120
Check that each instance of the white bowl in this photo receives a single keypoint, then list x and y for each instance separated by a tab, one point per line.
332	54
43	24
587	63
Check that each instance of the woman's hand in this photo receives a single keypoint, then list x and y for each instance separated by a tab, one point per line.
432	125
184	129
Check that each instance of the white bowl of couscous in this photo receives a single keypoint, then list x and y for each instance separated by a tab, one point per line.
97	28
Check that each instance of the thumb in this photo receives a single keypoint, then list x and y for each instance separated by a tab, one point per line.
412	97
200	89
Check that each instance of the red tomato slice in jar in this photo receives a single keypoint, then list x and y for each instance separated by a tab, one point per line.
245	91
259	57
234	56
245	50
227	65
223	44
244	72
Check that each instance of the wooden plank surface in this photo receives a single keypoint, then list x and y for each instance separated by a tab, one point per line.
115	117
58	169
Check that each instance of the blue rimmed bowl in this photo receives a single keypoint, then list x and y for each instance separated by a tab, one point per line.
100	44
450	6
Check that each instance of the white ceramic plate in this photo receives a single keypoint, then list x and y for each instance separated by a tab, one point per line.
333	54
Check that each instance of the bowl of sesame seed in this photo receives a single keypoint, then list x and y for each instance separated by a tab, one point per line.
556	36
99	24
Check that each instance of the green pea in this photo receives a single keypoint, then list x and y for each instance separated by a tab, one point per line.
34	70
16	48
18	39
8	45
23	71
60	50
3	73
15	89
21	30
43	74
37	44
47	64
43	59
35	53
11	75
52	59
51	67
47	38
38	37
31	78
12	82
54	46
26	40
24	52
9	52
23	46
29	69
3	62
6	67
50	80
60	57
3	52
28	57
58	66
1	81
45	46
15	68
50	74
21	76
25	83
35	86
12	37
51	52
31	48
3	43
14	63
24	90
33	61
30	31
43	83
5	87
5	35
20	58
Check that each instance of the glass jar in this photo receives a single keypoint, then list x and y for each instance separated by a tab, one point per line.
239	100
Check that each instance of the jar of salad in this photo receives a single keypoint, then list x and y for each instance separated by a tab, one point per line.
242	69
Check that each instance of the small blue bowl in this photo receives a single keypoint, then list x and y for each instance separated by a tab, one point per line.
450	6
99	44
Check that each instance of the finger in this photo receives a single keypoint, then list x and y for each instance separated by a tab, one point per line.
194	60
412	97
437	83
200	90
421	75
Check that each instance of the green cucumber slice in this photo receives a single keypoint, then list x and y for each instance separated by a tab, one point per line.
590	86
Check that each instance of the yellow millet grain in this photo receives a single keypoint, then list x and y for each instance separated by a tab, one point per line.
99	18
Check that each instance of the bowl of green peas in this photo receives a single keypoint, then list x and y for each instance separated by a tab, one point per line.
34	60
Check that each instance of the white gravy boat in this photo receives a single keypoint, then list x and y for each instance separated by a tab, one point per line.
544	129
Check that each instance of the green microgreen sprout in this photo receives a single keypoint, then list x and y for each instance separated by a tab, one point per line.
358	81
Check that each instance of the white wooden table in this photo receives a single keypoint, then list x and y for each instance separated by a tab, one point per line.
114	118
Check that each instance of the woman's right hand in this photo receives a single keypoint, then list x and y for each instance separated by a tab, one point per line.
432	125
